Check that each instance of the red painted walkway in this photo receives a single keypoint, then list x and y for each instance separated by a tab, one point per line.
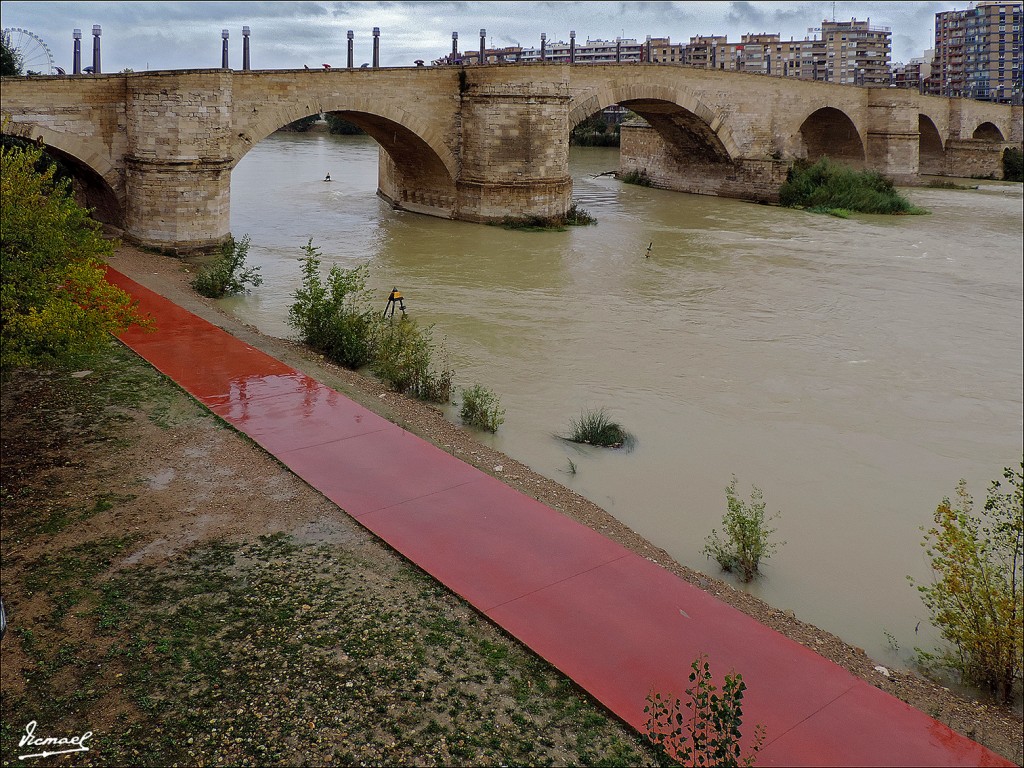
612	621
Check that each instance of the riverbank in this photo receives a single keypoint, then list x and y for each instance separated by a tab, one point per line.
205	484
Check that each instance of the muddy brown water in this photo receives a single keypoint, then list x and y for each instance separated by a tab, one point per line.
853	369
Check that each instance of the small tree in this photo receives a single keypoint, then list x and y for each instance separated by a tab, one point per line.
481	408
976	590
709	734
10	61
747	537
55	301
227	274
334	316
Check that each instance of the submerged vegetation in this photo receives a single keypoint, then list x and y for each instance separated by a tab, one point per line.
830	187
595	427
481	408
746	537
574	217
640	178
977	587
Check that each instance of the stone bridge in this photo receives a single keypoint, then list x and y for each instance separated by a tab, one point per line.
153	152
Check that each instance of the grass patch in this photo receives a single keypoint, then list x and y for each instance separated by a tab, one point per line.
595	427
829	187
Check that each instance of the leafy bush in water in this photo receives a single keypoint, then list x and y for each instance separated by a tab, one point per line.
481	408
826	186
403	361
747	538
222	277
977	589
334	316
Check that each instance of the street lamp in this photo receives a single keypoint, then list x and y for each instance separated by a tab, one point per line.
376	47
224	49
77	60
96	32
572	47
543	46
350	35
483	47
245	49
455	46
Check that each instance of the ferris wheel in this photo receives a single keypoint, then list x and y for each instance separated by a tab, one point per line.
33	53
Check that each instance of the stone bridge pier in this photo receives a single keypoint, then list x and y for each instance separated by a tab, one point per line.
511	136
177	169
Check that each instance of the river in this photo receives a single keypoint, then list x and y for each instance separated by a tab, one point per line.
853	369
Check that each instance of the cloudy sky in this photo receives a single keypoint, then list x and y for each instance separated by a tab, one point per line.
181	35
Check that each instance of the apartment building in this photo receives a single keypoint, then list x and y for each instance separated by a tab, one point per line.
851	52
848	52
978	52
857	53
915	73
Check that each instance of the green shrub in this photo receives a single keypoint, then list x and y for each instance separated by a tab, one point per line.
977	589
1013	164
827	186
55	301
481	408
403	361
595	427
703	729
222	277
640	178
747	537
334	316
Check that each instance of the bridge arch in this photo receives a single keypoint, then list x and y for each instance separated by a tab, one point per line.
931	153
684	122
377	117
829	132
95	176
988	131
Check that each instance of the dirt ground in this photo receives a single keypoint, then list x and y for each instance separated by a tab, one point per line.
236	490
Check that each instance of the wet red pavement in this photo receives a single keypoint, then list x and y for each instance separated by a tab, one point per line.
617	624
